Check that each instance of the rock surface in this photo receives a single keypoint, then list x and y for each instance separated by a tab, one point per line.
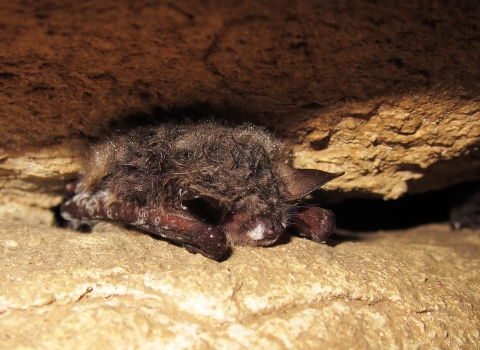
121	289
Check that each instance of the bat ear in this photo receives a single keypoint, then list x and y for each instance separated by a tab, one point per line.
301	182
204	207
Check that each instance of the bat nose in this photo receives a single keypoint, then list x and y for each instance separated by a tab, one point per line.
265	228
260	230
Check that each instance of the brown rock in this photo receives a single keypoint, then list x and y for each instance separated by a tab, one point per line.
387	93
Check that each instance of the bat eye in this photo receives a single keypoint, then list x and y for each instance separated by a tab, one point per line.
205	208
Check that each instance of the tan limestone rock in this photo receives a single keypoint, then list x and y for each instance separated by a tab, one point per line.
119	288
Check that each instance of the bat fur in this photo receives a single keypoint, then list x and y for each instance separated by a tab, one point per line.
182	180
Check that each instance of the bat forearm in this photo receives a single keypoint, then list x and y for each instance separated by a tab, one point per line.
208	239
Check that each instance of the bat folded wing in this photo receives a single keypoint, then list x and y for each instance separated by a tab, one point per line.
196	236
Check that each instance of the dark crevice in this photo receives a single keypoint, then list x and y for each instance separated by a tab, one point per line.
312	105
365	215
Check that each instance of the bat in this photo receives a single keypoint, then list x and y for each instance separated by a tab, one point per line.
205	185
465	207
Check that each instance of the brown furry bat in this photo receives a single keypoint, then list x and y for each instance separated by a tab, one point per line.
203	185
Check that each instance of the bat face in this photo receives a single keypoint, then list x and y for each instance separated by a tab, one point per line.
204	185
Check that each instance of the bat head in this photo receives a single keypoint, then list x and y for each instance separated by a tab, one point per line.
260	216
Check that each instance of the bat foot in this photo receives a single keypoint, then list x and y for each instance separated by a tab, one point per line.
314	222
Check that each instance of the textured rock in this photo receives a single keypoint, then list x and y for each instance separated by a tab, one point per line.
32	181
403	144
118	288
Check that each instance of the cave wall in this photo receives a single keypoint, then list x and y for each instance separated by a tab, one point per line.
387	92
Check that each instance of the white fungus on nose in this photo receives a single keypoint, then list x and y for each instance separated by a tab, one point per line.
257	233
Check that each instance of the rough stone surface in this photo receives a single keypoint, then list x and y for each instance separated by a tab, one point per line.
387	92
32	181
120	289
